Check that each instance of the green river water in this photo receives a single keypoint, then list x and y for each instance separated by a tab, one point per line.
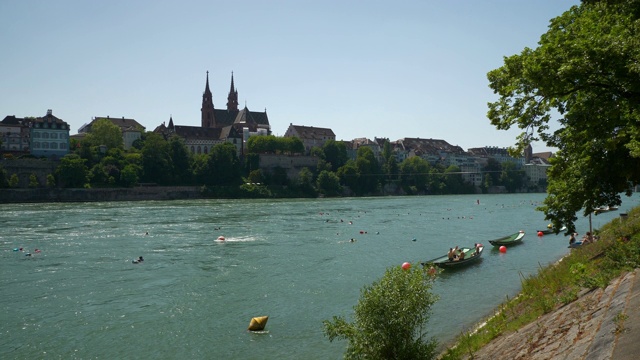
81	297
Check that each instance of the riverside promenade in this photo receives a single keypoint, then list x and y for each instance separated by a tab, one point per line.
600	324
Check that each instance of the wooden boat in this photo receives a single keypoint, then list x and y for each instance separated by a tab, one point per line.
508	240
470	256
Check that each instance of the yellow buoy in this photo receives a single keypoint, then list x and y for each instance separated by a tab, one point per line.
258	323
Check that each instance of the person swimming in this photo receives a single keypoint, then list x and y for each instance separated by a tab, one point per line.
138	260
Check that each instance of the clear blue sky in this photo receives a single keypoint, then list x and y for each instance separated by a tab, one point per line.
370	69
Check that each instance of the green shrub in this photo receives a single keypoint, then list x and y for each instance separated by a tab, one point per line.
389	318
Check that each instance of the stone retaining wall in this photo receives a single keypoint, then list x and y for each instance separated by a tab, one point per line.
85	195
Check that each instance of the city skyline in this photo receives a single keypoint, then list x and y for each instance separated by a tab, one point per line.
393	70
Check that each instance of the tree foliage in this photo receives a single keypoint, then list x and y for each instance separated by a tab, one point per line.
104	132
72	171
272	145
4	181
156	160
414	174
585	72
328	183
369	171
335	153
389	321
224	166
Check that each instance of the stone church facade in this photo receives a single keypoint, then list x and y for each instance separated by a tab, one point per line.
217	126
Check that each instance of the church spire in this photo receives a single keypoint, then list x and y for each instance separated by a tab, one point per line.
208	119
206	89
232	99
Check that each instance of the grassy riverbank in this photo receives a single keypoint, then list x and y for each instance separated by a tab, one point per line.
584	269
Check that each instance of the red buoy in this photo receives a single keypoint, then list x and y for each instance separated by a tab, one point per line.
406	266
503	249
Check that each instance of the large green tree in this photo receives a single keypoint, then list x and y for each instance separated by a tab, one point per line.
224	166
389	321
328	183
368	170
584	80
414	174
181	161
156	160
335	153
72	171
104	132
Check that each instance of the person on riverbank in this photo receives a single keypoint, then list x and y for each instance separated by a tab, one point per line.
572	238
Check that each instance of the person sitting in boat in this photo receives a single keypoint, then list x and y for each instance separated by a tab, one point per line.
460	256
477	251
451	254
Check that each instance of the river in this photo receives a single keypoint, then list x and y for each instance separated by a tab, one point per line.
81	297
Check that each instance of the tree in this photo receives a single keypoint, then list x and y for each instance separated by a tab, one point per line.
512	178
292	145
181	161
389	319
414	174
493	169
585	70
224	166
72	171
14	180
4	182
262	144
304	181
33	181
349	176
368	170
51	181
256	177
455	183
104	132
335	153
156	160
328	183
129	175
391	169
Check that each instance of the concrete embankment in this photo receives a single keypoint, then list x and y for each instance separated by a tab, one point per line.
601	324
86	195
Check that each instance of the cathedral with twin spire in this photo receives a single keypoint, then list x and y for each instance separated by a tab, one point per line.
219	125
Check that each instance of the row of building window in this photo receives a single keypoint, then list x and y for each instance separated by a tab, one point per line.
46	135
46	145
198	150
